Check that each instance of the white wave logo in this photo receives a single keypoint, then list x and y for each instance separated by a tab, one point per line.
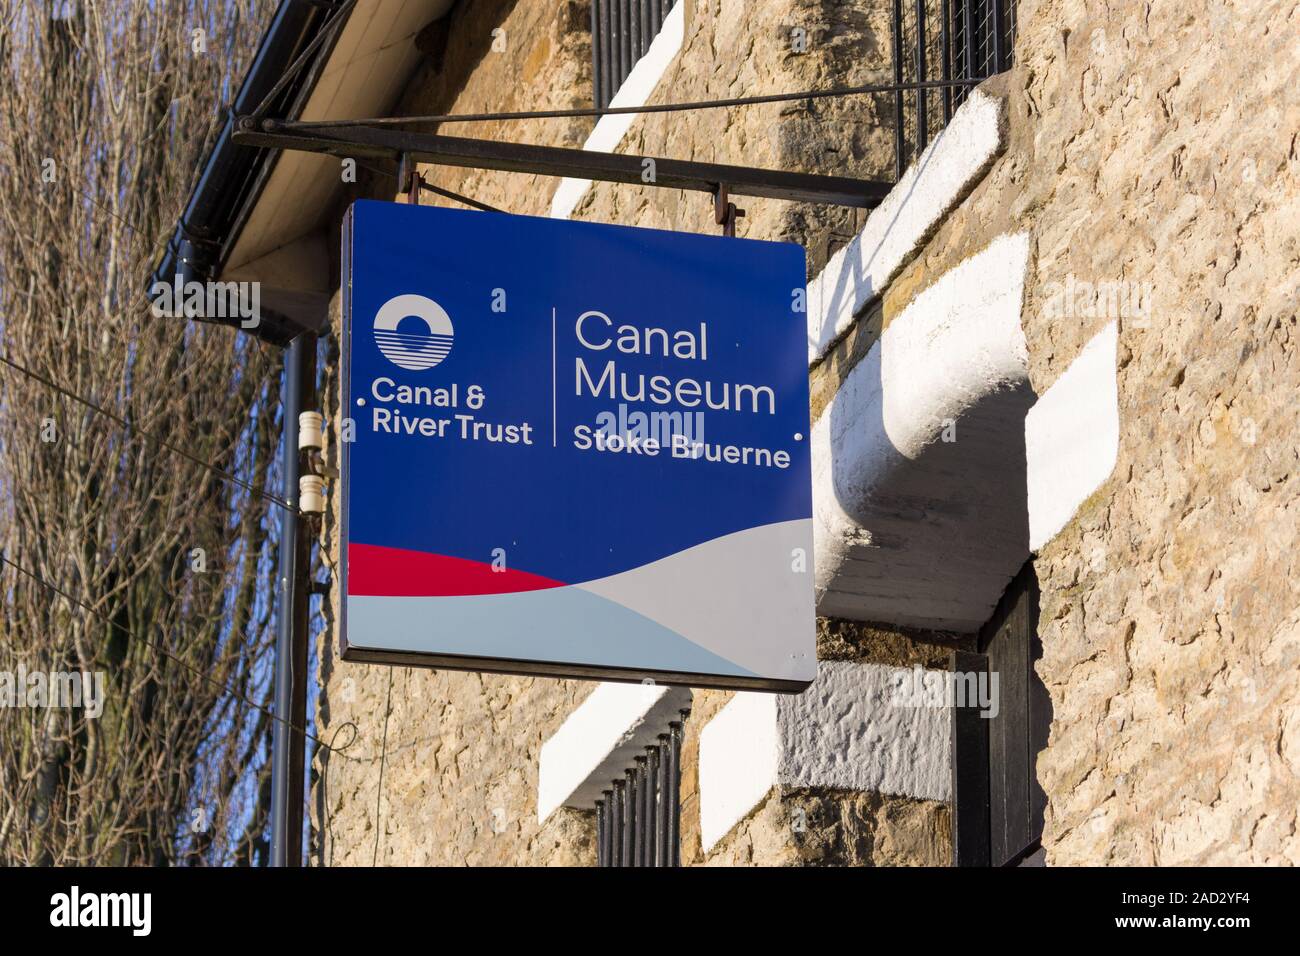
414	351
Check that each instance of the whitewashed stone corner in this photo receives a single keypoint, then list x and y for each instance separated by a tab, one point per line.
600	740
918	461
848	731
1072	437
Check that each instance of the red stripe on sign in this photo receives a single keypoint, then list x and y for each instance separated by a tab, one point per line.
374	570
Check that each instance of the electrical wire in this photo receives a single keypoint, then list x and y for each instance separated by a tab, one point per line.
215	469
383	754
331	28
728	102
225	475
328	31
130	635
84	195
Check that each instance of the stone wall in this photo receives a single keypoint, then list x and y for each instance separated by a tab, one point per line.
1152	144
1156	145
440	767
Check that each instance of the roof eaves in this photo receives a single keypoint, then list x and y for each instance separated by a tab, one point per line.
233	176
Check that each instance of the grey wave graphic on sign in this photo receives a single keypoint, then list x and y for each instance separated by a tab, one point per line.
553	625
419	350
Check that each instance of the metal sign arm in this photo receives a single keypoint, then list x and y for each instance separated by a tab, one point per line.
368	141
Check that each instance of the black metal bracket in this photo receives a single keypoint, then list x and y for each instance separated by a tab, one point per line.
391	144
408	178
725	212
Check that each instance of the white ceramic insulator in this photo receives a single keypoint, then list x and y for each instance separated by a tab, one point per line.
310	426
311	494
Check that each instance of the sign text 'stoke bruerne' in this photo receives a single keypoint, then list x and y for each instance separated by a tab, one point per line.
578	450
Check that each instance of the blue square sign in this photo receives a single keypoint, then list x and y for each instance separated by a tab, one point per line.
575	450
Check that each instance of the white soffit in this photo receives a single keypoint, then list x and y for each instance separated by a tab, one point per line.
600	739
919	498
855	728
636	90
930	188
366	72
1072	437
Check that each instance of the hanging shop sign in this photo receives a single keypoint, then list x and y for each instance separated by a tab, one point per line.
576	450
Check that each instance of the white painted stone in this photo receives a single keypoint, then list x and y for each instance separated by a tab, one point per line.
849	731
739	754
912	528
1072	437
636	90
600	740
930	188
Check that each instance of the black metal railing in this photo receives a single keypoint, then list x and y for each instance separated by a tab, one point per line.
940	49
637	818
621	33
950	41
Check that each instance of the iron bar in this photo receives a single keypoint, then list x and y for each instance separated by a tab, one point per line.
662	823
429	187
968	24
616	827
608	827
652	806
457	197
649	29
600	833
633	813
582	112
625	42
597	40
999	38
637	818
629	820
674	795
946	50
634	33
556	161
899	133
606	53
616	46
922	119
642	810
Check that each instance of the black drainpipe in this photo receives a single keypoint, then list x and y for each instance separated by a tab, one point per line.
227	190
233	176
288	741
